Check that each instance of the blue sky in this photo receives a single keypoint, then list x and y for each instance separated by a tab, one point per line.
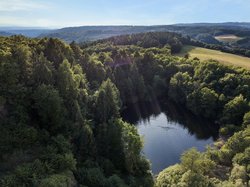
62	13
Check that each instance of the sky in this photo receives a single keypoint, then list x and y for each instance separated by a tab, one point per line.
64	13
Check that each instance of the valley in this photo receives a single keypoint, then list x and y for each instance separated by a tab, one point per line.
134	93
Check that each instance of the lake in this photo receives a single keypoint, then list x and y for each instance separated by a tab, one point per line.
168	130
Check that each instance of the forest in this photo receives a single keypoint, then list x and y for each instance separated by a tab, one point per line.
61	104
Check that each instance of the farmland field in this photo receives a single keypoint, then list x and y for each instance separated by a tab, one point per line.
206	54
228	38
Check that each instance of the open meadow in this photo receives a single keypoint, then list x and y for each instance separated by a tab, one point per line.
206	54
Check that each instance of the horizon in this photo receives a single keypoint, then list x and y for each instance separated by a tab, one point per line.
60	14
15	27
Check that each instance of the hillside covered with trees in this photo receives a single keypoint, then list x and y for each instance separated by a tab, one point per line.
60	108
203	35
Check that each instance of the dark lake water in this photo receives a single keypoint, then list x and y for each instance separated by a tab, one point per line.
167	131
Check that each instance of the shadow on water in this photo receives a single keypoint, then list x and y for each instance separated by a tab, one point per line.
168	130
201	128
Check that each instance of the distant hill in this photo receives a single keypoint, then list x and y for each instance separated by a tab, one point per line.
3	33
203	32
91	33
197	30
226	24
31	32
207	38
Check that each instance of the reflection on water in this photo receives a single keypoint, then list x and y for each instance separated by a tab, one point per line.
169	130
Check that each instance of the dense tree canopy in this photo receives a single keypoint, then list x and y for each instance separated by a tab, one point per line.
60	110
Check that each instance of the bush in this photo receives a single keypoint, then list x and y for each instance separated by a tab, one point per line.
229	130
92	177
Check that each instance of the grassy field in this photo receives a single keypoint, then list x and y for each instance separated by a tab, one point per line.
206	54
228	38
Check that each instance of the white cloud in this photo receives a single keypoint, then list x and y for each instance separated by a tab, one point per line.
21	5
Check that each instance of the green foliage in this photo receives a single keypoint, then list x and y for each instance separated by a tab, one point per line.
49	107
199	169
43	71
246	119
209	72
91	177
130	83
180	86
121	139
170	176
59	111
238	174
37	173
229	130
94	177
194	179
22	55
95	71
17	137
196	162
234	110
25	175
243	159
62	180
115	181
203	102
151	39
70	80
132	146
190	172
84	143
235	144
107	102
56	51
